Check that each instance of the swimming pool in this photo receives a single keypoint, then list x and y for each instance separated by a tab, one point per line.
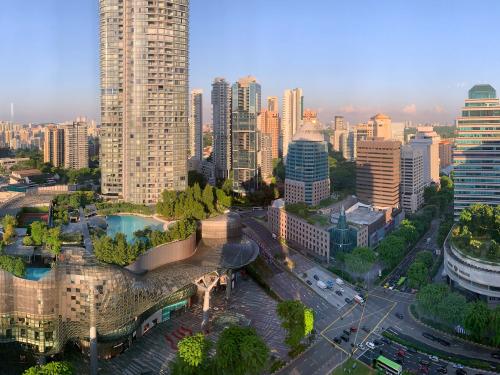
35	274
128	224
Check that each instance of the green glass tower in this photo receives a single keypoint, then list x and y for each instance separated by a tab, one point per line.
477	150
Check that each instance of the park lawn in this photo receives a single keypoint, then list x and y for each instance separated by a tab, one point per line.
346	368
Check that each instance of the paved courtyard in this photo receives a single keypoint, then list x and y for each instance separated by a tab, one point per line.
155	350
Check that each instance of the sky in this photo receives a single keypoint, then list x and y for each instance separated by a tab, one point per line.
413	59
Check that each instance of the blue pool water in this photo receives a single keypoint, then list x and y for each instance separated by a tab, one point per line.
35	273
128	224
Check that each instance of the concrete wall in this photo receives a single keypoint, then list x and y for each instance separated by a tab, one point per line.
164	254
221	227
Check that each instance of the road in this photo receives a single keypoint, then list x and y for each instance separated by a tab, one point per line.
376	315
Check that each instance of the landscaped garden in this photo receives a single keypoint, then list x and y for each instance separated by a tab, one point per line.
477	233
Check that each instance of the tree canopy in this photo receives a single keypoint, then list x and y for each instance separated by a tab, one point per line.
297	319
360	260
9	228
52	368
418	275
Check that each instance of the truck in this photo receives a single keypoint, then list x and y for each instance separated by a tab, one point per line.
339	281
359	299
321	284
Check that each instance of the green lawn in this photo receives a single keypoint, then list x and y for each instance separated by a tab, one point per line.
347	368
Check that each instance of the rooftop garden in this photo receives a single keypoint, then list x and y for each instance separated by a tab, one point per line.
477	233
8	263
307	213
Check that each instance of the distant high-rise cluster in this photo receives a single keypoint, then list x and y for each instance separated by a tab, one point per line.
17	136
144	98
476	156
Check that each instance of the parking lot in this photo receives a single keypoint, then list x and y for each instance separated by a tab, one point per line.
337	295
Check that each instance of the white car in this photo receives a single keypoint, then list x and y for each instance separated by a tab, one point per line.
361	346
434	358
370	344
457	365
341	289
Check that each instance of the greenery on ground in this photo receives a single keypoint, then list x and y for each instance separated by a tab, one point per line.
360	260
193	203
40	235
110	208
436	303
353	367
64	203
14	265
478	232
52	368
239	351
9	223
119	251
307	213
297	319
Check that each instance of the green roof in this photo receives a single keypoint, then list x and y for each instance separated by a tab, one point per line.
482	92
388	362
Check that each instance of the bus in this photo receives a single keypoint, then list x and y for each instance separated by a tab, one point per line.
387	366
401	281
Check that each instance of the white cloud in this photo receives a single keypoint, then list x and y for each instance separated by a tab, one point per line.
410	109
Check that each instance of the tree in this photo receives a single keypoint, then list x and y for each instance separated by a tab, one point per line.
53	240
38	232
392	250
208	198
293	318
223	200
418	275
9	228
451	309
477	319
240	351
495	326
408	231
360	260
429	298
425	257
52	368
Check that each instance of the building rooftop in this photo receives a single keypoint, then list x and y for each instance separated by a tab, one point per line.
361	214
482	92
309	131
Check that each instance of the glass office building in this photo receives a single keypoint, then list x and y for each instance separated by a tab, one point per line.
477	150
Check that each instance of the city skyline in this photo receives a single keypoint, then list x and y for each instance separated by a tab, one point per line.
53	69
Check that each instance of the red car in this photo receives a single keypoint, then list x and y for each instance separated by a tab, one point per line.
400	353
353	329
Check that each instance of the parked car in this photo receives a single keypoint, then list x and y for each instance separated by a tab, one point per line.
309	282
361	346
460	371
399	315
442	370
348	300
346	332
434	358
458	365
353	329
316	277
338	292
304	275
385	340
377	343
370	345
345	338
337	340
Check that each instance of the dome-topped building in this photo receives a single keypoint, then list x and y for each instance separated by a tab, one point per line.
307	178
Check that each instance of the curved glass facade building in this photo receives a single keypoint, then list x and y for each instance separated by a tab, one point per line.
476	156
307	176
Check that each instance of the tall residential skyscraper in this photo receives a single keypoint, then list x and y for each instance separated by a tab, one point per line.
307	177
221	120
269	123
76	145
476	156
293	111
246	102
272	104
196	125
53	146
348	144
144	97
378	172
427	140
445	153
412	179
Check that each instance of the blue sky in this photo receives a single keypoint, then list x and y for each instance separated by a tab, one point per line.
412	59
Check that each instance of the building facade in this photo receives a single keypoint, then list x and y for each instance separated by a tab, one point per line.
307	175
266	156
427	140
246	102
348	145
339	123
412	179
76	145
144	98
378	172
272	104
445	153
293	111
476	156
53	146
221	120
268	122
196	125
